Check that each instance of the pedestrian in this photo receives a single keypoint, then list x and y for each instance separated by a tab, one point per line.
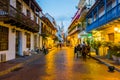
84	53
44	50
75	50
78	49
60	45
88	50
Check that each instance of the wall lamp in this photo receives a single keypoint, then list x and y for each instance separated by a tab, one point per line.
117	30
13	30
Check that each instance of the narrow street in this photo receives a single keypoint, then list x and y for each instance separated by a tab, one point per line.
60	64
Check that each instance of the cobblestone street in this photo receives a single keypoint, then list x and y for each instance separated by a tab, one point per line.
60	64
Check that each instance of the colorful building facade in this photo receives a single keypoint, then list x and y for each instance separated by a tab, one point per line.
103	21
19	27
78	24
48	31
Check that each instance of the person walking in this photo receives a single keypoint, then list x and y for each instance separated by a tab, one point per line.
88	50
84	52
75	50
44	49
79	50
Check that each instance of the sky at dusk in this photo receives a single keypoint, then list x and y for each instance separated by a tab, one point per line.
61	10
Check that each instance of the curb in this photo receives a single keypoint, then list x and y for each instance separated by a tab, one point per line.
37	56
107	64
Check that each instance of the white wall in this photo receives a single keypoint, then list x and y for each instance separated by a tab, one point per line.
24	41
41	42
37	40
32	41
10	53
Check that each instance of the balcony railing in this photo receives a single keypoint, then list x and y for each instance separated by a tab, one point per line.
75	30
11	15
112	14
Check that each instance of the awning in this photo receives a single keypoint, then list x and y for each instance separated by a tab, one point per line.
83	33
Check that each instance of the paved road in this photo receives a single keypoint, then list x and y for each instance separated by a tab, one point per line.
60	64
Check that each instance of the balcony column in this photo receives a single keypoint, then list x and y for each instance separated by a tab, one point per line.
97	8
92	17
117	2
117	7
105	5
97	12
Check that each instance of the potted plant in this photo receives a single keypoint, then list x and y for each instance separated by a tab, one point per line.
115	52
118	56
96	45
109	46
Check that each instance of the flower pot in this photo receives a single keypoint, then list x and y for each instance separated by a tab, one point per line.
111	68
119	60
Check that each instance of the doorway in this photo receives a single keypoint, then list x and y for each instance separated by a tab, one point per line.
18	43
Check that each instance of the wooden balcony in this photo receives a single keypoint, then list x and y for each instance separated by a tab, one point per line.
10	15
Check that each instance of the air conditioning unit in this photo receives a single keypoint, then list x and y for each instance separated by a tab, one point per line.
3	57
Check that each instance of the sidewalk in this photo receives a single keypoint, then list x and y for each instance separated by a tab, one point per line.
107	62
17	63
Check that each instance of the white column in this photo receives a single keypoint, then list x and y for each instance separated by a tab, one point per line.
11	45
32	41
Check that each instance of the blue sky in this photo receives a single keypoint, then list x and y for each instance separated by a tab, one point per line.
61	10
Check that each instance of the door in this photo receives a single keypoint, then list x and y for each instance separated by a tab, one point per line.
18	43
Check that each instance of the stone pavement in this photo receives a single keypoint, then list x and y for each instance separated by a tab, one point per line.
107	62
17	63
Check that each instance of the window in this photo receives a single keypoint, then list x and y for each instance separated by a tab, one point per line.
28	40
28	13
101	11
111	37
109	5
3	38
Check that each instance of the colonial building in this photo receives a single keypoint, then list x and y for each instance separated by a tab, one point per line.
103	20
19	27
48	30
74	29
78	23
